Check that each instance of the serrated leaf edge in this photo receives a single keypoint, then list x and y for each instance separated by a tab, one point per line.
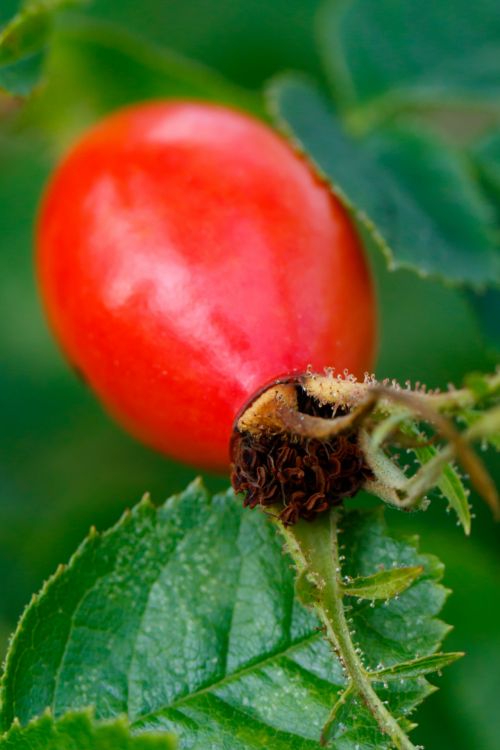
305	549
88	713
360	216
144	506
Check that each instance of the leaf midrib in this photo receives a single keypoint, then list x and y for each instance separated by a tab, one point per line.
228	679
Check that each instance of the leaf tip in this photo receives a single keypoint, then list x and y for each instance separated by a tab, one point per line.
144	502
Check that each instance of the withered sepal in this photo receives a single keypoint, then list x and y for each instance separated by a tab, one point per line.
276	464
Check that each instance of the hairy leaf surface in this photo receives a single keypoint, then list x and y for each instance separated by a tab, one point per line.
184	618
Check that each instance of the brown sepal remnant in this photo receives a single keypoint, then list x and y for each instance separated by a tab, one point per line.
301	475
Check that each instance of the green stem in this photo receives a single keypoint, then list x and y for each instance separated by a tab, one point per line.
314	548
463	398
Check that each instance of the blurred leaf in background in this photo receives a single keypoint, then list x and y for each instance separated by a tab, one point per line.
387	56
24	38
408	190
63	464
486	158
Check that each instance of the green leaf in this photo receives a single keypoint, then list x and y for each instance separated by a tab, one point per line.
418	667
412	194
355	728
368	635
79	731
23	43
25	33
389	55
450	485
484	411
183	618
21	76
482	386
486	157
470	417
95	67
383	585
403	628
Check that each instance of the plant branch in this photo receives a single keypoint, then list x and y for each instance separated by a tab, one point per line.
428	475
314	549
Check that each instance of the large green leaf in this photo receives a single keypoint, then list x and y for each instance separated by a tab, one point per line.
184	618
23	44
78	731
411	193
390	54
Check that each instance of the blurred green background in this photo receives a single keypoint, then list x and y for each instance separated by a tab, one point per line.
63	464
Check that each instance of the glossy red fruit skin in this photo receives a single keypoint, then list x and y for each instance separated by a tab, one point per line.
186	256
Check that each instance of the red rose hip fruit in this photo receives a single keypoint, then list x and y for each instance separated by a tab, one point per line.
186	256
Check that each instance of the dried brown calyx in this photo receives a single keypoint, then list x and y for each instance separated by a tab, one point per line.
285	455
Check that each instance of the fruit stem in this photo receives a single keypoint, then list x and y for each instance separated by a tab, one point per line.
464	398
315	551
